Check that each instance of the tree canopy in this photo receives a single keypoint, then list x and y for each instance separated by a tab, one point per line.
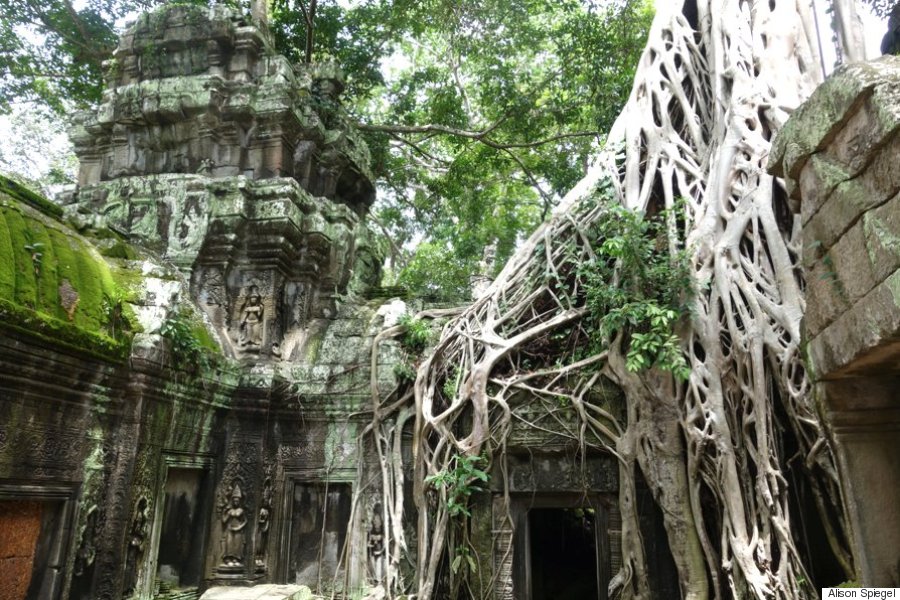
479	115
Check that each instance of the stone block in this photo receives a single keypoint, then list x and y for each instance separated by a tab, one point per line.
816	123
864	131
847	203
882	176
881	228
866	334
818	179
852	264
826	298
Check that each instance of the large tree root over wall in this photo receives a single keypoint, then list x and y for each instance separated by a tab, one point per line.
716	81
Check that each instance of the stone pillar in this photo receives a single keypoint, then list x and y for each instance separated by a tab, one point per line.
840	156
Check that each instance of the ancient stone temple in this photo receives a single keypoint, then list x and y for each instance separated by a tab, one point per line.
186	346
189	356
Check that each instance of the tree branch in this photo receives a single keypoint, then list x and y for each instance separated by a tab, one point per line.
481	136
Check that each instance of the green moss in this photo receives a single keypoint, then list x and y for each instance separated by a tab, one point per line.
38	258
7	262
90	290
66	270
119	250
23	194
26	286
313	346
61	333
44	265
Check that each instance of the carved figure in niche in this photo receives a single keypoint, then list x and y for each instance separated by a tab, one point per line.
137	539
376	545
86	553
263	523
234	520
251	319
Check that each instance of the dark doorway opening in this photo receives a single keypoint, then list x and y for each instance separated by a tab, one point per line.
320	515
180	563
563	550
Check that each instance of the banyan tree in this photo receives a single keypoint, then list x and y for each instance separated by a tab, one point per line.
720	421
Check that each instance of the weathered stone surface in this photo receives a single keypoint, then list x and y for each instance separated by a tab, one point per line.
863	338
222	105
816	123
839	153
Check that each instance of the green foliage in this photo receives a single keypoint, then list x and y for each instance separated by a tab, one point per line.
525	71
460	479
451	384
881	8
436	271
190	344
462	557
404	372
638	287
535	84
416	334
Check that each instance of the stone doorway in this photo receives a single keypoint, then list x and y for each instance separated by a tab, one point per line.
20	531
180	528
564	564
34	531
180	560
562	546
319	516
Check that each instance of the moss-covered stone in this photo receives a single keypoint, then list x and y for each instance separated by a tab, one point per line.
21	193
53	283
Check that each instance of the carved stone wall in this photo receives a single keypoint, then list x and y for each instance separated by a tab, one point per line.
175	374
839	155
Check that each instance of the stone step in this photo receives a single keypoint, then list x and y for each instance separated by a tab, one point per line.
259	592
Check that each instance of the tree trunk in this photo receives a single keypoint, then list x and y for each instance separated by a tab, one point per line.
717	80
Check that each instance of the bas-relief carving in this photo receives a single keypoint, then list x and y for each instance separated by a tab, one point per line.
375	546
211	294
137	541
251	324
263	523
234	522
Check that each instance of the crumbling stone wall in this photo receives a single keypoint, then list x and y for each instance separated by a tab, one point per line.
840	157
